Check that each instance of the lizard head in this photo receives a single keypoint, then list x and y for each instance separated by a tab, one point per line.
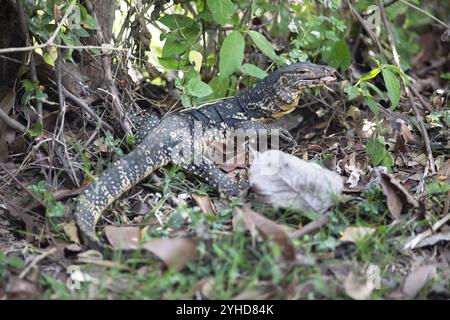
284	86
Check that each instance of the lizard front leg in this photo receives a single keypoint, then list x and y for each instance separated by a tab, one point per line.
251	126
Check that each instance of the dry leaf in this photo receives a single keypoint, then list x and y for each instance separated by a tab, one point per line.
70	229
21	289
433	239
123	238
205	204
173	252
354	234
267	229
357	287
397	197
417	279
287	181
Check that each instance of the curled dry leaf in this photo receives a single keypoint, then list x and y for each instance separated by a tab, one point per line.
70	229
397	197
205	204
21	289
417	279
123	238
266	228
433	239
175	253
357	287
353	234
287	181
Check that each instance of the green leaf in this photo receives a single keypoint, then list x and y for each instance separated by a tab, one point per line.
37	131
351	91
219	87
388	160
231	53
15	262
445	76
55	211
253	71
376	151
263	44
370	75
196	59
373	106
198	88
173	46
339	55
176	21
221	10
392	85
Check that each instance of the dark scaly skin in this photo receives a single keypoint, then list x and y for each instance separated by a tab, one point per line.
269	99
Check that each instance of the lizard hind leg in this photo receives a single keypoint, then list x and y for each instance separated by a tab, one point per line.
206	171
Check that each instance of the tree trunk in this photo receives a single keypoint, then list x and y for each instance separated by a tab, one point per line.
92	66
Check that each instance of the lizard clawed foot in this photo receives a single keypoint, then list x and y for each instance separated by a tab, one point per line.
287	137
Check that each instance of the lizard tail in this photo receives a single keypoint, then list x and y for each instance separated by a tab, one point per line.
117	179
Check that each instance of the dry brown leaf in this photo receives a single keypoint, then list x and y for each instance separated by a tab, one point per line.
397	197
357	287
353	234
444	170
205	288
173	252
123	238
70	229
417	279
267	229
205	204
255	294
21	289
287	181
433	239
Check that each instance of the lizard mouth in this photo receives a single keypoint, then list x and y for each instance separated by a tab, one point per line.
316	82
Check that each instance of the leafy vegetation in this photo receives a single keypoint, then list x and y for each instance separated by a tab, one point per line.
393	155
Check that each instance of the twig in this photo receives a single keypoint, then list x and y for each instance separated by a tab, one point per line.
422	127
32	65
424	12
50	42
86	108
426	104
10	122
311	227
387	4
22	185
117	105
36	261
368	30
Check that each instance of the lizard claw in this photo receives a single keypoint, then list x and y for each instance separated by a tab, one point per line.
287	137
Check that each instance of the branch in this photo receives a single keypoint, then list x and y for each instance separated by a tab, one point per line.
422	127
10	122
368	30
86	108
50	42
117	105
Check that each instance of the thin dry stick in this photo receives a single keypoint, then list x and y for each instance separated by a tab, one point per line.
22	186
86	108
366	27
32	64
118	107
422	127
10	122
311	227
50	42
36	261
